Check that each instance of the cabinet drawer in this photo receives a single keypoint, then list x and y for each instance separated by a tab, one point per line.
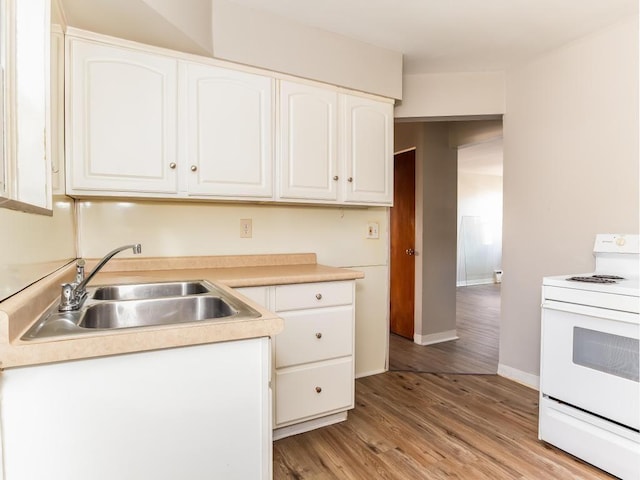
311	391
313	295
313	335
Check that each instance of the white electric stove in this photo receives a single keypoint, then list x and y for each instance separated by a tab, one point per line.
590	359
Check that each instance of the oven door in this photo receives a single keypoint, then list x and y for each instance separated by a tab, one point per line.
590	359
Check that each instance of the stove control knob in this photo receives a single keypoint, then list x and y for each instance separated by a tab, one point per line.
620	241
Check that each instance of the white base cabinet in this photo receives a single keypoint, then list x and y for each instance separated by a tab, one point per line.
199	412
314	355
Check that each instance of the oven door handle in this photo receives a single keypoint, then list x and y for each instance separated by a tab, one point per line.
605	313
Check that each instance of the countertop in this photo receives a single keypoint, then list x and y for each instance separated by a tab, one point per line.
19	312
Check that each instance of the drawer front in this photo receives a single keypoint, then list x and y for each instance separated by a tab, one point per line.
313	335
313	295
311	391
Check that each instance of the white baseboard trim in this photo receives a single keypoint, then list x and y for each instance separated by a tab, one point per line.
309	425
432	338
369	373
468	283
527	379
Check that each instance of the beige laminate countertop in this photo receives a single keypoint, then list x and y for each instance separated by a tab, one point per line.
19	312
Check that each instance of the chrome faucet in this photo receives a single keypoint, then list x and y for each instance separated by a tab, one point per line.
73	294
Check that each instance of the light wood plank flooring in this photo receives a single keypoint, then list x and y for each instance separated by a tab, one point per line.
476	351
431	426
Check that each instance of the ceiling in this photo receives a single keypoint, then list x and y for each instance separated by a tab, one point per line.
455	35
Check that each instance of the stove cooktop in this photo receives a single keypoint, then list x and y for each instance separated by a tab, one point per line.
596	279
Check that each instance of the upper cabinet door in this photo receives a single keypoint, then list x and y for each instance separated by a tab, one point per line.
121	130
229	137
368	150
308	142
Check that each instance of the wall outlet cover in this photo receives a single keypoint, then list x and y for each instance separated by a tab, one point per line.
373	230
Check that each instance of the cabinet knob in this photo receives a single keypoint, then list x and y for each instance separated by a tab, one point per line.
194	168
335	178
319	335
410	251
350	179
319	296
172	165
318	389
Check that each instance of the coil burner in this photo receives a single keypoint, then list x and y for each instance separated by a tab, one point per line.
597	279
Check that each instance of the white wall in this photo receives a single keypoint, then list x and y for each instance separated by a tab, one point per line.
252	37
570	171
32	246
480	201
451	95
336	235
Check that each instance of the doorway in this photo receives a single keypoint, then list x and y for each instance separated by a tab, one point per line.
456	328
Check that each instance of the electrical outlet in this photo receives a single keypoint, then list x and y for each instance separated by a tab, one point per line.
372	230
246	228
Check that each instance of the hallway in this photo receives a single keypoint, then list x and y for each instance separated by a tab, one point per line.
476	351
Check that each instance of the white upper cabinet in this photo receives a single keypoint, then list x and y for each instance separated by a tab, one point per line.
147	122
25	164
368	150
121	120
308	158
229	132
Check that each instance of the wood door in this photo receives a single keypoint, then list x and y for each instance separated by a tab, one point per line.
402	245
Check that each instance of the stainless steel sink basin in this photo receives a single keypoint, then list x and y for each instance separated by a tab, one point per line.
164	311
148	290
115	307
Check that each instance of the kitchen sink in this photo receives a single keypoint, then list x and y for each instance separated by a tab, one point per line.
165	311
140	305
148	290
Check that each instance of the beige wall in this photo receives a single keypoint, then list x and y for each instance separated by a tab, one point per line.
336	235
439	247
248	36
184	26
32	246
451	95
570	171
436	188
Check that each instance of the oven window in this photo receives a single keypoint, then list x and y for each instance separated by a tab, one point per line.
613	354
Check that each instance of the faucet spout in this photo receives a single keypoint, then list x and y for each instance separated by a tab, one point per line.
74	293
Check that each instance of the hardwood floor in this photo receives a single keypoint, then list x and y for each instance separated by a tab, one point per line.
431	426
476	351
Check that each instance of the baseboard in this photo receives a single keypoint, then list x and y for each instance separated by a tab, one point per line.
309	425
468	283
527	379
370	373
432	338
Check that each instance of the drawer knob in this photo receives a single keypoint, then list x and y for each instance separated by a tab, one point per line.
319	335
318	389
172	165
319	296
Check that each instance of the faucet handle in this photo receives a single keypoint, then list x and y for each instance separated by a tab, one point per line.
80	270
66	297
